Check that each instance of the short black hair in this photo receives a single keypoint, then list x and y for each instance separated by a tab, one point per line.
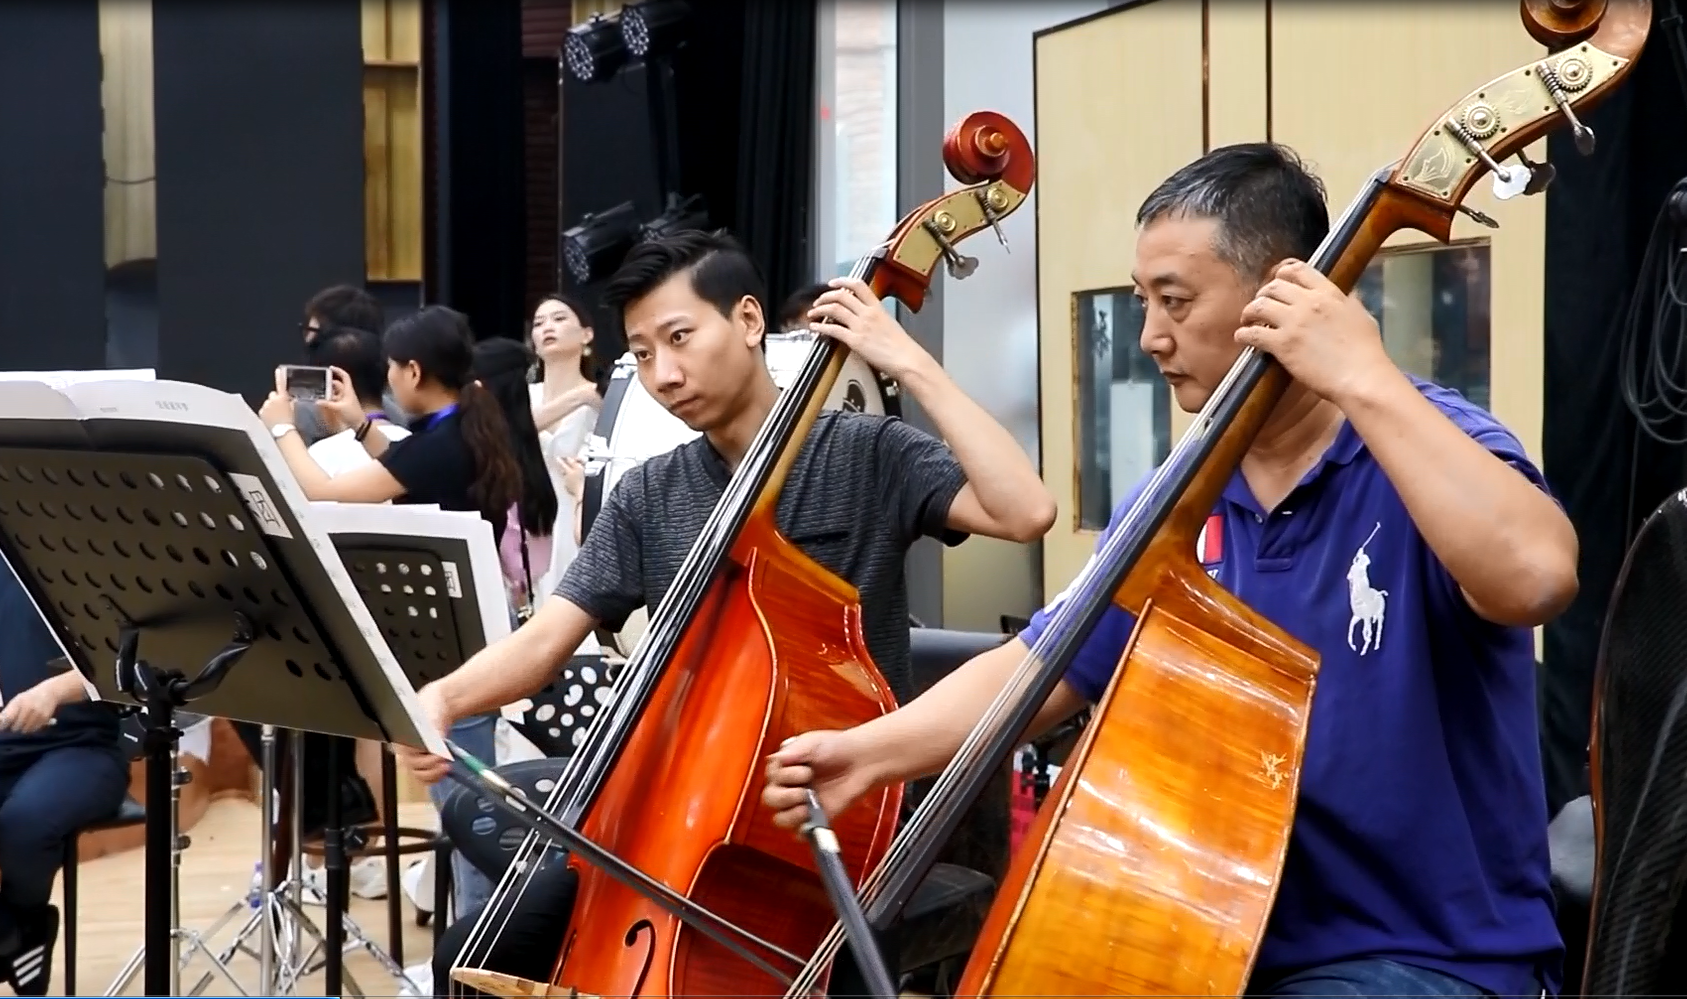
1267	204
358	353
722	274
795	310
346	305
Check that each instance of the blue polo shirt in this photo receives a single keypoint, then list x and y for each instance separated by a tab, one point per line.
1420	834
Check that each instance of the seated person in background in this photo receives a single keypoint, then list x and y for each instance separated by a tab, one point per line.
62	768
354	410
342	307
793	315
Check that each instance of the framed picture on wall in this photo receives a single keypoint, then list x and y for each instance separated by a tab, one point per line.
1123	418
1432	302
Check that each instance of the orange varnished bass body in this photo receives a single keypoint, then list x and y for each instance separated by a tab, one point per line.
775	651
1153	865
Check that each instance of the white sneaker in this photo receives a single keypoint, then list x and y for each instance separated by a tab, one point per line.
418	884
420	982
368	880
369	877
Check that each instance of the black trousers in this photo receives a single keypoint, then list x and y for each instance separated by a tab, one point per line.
537	924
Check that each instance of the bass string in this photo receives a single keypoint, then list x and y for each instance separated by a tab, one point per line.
656	646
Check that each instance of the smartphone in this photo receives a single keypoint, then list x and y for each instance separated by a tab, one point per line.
305	383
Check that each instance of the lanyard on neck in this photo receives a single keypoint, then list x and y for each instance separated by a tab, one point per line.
434	419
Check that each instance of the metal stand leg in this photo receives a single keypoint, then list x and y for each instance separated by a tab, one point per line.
165	780
334	861
277	909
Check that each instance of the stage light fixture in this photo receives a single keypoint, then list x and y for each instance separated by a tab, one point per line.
689	213
596	245
594	50
654	27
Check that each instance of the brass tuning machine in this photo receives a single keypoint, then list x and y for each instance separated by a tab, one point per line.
1569	75
960	265
990	202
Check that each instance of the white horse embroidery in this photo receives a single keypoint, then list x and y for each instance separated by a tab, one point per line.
1369	604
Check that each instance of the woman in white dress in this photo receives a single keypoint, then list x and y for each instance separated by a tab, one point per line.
565	407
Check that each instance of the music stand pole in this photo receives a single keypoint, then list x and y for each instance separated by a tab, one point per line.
334	864
266	861
164	692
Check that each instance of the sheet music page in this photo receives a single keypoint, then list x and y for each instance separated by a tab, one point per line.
200	405
65	379
28	399
429	521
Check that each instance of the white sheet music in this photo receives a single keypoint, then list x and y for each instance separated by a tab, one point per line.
429	521
63	379
71	396
37	401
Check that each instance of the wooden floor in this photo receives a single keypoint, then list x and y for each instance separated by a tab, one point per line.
216	873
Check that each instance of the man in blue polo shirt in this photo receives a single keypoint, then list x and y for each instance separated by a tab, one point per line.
1390	524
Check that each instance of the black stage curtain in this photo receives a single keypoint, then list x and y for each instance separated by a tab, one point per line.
479	241
1608	475
52	187
259	119
776	142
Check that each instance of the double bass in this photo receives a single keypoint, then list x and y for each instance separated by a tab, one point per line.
1153	864
754	643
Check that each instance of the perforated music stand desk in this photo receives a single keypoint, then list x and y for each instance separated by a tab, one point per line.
159	532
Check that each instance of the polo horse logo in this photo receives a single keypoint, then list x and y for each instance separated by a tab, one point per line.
1369	603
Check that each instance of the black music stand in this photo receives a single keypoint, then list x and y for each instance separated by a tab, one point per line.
431	581
156	528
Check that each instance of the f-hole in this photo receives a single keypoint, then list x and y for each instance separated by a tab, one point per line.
649	951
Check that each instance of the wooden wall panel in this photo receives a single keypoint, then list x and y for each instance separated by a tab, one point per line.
544	23
584	9
392	139
131	189
1102	146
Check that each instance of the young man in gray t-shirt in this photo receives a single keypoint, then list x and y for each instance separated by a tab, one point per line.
862	490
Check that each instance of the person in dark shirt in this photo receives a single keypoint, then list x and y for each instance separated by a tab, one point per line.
793	315
861	492
458	456
62	768
340	308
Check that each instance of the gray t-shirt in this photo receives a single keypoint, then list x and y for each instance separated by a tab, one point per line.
862	490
